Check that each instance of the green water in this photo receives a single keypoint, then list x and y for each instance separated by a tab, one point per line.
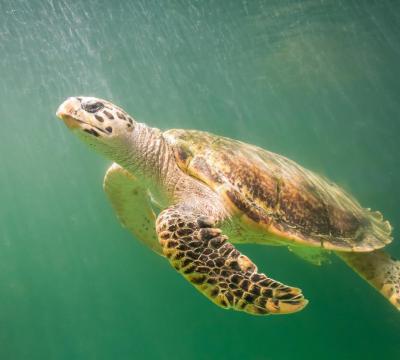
317	81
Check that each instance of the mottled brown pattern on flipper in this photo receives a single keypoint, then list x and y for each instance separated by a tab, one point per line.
202	254
380	270
275	192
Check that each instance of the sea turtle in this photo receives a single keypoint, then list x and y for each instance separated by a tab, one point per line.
184	193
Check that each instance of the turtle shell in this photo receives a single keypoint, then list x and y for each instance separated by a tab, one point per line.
274	193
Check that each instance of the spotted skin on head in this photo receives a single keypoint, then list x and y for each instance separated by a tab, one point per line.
96	117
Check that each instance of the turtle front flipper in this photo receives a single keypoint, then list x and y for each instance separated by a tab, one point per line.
203	256
132	204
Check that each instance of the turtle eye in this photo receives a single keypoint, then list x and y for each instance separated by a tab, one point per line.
92	107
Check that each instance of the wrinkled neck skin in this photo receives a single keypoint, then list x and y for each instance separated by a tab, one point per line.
147	156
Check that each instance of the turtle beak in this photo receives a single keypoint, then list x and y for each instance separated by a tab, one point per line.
68	107
67	112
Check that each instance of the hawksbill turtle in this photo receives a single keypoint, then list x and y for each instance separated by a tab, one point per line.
190	195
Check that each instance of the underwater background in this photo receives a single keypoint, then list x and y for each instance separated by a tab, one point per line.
316	81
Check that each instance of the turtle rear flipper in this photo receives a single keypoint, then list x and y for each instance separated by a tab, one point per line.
380	270
204	257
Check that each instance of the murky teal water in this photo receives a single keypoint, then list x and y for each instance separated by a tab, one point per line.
317	81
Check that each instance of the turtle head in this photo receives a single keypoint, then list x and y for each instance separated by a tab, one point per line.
99	123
